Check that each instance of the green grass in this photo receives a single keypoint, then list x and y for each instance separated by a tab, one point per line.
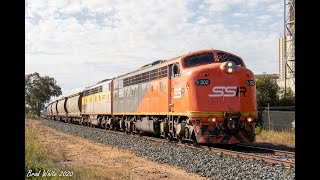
36	156
38	159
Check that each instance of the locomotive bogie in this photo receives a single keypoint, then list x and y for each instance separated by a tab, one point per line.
147	126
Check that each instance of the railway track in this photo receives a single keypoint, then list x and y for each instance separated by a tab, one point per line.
268	150
286	163
245	151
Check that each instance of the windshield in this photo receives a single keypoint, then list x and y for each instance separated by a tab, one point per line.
222	57
199	59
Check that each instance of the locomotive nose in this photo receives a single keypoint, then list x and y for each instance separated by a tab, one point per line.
228	67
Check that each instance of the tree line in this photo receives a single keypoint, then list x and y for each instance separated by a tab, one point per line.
38	92
269	92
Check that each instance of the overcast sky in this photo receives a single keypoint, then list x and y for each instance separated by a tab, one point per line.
82	42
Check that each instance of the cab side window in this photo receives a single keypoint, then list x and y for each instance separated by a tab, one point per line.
175	70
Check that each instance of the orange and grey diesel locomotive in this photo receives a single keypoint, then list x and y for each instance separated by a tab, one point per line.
206	96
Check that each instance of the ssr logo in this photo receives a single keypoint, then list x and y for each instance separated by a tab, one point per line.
227	91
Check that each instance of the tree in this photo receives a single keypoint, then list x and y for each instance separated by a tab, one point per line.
287	100
267	92
38	91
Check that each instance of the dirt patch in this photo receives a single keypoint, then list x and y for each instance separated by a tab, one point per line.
111	162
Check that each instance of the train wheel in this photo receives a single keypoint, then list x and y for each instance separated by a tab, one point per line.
194	142
181	139
169	137
187	133
115	127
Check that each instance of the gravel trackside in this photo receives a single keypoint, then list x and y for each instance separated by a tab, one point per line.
208	164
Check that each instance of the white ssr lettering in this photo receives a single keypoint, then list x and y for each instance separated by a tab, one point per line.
224	91
177	93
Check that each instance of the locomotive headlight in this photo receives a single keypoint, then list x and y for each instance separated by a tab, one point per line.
249	119
230	67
